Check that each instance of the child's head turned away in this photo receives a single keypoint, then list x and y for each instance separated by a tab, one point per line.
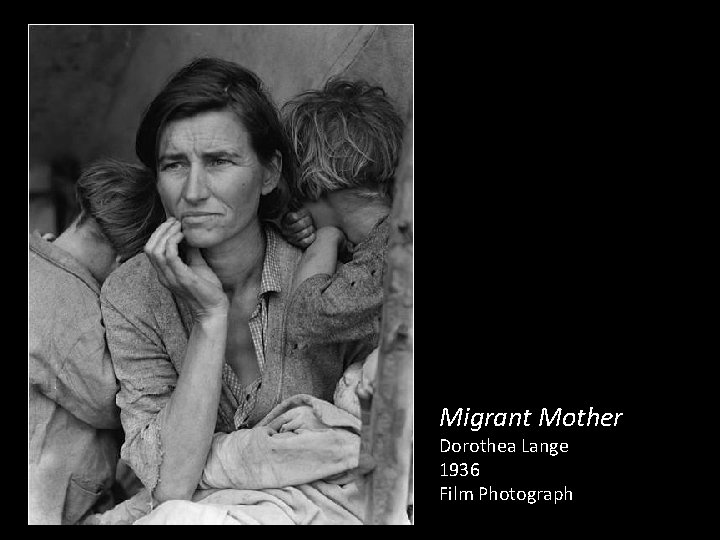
346	136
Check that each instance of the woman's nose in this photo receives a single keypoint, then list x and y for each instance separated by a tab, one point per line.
196	188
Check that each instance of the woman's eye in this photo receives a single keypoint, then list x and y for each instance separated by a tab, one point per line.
173	165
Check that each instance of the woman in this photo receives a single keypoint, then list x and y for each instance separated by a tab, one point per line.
197	324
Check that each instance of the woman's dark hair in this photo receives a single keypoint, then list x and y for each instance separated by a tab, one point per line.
123	201
212	84
346	136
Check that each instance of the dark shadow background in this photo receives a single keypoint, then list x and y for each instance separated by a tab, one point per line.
534	283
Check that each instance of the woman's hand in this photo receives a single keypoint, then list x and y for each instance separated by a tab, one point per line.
195	282
298	228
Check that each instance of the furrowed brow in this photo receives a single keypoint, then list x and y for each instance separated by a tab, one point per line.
221	154
172	156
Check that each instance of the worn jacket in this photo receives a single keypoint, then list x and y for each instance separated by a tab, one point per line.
73	422
147	332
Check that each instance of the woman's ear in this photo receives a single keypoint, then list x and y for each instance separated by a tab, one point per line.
272	174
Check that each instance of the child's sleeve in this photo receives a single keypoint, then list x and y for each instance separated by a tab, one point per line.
347	305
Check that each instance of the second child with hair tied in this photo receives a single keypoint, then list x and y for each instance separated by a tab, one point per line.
347	139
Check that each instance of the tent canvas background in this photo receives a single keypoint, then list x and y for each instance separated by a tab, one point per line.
89	84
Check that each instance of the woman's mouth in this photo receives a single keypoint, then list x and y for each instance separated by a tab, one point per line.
191	218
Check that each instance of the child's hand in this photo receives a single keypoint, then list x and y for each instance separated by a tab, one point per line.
298	228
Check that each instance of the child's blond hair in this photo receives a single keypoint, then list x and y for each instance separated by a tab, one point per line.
347	135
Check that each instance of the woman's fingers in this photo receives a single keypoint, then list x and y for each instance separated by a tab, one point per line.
195	258
194	281
161	246
201	285
155	246
177	269
194	277
156	250
158	233
151	247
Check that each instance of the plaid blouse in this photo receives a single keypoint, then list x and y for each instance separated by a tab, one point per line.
244	399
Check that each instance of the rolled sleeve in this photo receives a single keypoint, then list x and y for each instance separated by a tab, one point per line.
147	379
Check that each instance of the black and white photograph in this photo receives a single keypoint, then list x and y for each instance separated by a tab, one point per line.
220	274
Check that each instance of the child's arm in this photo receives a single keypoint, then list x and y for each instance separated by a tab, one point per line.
321	257
340	304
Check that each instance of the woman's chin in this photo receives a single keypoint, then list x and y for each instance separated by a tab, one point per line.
200	239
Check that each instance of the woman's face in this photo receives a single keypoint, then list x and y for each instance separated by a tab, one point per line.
210	178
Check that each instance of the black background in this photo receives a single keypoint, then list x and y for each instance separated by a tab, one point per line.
534	285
